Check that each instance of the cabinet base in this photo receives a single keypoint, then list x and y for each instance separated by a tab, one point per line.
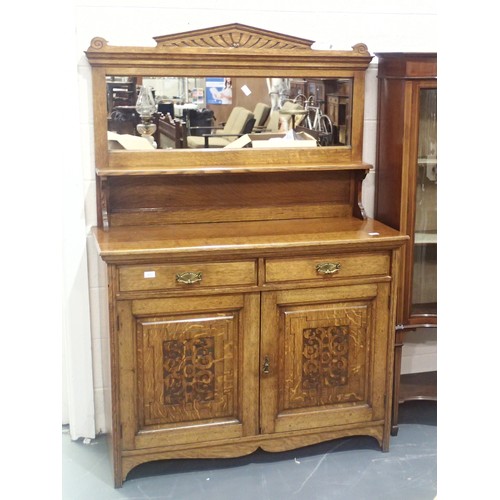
242	447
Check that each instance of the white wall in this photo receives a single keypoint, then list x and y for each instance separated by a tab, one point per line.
383	25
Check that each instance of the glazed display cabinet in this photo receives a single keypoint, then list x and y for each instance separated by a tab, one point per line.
406	198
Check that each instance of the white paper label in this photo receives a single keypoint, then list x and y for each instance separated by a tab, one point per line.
246	90
149	274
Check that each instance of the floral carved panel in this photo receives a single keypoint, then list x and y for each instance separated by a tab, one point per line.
325	353
186	368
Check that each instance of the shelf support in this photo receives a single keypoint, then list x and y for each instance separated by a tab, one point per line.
358	208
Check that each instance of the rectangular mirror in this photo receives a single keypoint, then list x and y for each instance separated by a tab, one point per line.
228	112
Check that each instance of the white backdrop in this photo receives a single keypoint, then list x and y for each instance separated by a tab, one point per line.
39	57
384	25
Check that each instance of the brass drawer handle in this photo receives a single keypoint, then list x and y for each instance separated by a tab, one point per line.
327	267
188	278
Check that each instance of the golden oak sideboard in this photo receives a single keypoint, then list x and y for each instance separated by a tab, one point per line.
251	300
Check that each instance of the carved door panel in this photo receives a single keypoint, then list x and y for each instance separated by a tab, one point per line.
188	369
324	351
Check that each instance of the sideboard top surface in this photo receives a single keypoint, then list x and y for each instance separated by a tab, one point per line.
273	237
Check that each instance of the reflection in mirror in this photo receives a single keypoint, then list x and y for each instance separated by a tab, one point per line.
225	112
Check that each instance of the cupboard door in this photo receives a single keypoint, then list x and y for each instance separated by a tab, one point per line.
188	369
324	357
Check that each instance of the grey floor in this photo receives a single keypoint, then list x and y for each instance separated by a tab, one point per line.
345	469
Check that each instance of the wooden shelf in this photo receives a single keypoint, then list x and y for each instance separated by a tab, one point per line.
418	386
425	238
186	162
427	161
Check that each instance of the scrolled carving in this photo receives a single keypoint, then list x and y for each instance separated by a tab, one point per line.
98	43
360	48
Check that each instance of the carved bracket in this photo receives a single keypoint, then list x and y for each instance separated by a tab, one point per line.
358	208
103	201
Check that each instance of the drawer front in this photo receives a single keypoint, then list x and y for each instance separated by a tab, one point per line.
326	267
186	275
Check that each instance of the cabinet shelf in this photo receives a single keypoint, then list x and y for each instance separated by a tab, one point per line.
185	162
425	238
427	161
418	386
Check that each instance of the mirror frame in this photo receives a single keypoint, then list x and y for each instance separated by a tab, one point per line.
234	49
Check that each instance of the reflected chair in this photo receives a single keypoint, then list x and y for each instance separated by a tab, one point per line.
239	122
261	113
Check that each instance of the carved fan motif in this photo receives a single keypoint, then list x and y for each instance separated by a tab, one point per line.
233	36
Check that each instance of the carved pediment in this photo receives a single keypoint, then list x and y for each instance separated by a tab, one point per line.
235	47
233	36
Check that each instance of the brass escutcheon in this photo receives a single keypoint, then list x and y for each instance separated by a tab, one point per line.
265	368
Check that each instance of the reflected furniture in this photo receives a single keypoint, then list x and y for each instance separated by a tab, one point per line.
240	122
406	196
261	114
288	116
121	92
171	133
338	109
251	300
121	97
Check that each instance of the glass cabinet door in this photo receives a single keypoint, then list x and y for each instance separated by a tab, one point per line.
424	286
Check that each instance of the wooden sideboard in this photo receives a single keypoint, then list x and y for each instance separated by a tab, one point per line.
251	301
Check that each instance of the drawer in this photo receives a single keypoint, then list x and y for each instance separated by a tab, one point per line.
326	267
186	275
